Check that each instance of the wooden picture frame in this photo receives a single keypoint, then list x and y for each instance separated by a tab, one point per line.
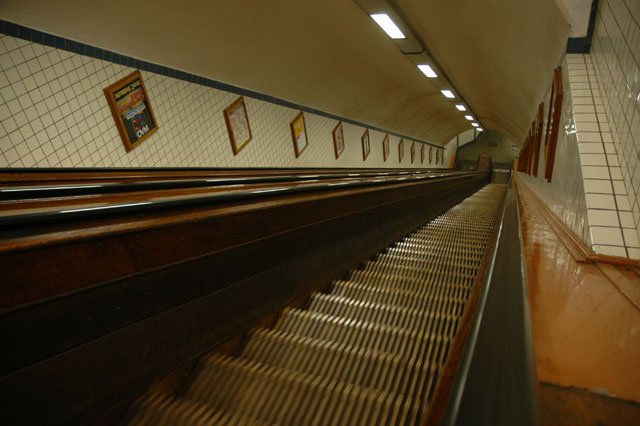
385	148
422	154
238	126
366	145
430	153
338	139
299	134
555	123
400	150
131	110
413	151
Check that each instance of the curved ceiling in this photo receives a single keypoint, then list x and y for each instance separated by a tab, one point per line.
331	56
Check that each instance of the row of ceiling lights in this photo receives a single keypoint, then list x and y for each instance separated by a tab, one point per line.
392	30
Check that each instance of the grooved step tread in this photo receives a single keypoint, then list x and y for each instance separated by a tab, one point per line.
356	365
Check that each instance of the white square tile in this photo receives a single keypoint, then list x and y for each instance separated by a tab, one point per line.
584	109
585	118
600	201
583	100
631	237
595	172
622	202
591	148
593	160
603	217
610	250
634	253
598	186
587	127
606	235
619	188
589	137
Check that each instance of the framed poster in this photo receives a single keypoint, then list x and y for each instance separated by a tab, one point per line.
430	152
131	109
235	115
413	151
299	134
400	150
422	154
366	147
385	147
338	139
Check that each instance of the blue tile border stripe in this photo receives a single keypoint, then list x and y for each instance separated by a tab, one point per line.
35	36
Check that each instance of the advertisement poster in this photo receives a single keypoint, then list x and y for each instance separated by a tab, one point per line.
299	133
131	110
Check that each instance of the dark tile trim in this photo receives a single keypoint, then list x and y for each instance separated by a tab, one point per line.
583	44
35	36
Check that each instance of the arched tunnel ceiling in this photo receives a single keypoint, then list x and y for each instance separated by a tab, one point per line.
330	55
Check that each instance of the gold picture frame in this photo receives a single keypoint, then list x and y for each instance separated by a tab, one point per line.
238	126
400	150
338	139
422	154
299	134
131	109
413	152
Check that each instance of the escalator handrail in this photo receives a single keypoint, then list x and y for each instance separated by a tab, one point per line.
490	401
80	213
67	190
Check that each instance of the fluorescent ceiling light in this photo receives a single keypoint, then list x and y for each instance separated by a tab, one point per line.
388	25
448	93
469	117
479	129
428	71
461	107
475	124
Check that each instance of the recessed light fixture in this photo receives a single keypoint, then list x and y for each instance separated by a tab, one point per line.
448	93
428	71
388	26
469	117
475	124
461	107
479	129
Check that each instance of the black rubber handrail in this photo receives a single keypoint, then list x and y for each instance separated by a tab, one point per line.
58	215
69	190
496	383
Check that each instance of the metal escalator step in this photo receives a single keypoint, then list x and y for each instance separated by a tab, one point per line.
160	410
356	365
377	294
426	271
272	394
396	281
395	316
378	337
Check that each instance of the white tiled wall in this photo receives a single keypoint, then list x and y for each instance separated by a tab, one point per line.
53	113
615	82
565	194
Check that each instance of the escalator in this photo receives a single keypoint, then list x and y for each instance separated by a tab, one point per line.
118	282
370	350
